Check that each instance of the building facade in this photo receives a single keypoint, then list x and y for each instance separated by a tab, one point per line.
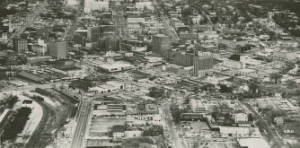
57	49
20	45
160	44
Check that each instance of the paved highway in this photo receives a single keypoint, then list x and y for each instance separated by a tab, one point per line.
176	141
82	122
270	131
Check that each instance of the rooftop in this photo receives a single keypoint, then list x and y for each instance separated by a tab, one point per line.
253	143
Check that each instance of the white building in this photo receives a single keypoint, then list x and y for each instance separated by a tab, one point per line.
90	5
246	60
232	64
253	143
134	24
197	106
109	65
132	134
239	132
110	86
144	119
3	37
143	115
141	5
240	117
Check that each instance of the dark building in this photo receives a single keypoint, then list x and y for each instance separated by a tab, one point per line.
160	44
183	59
97	32
20	45
202	64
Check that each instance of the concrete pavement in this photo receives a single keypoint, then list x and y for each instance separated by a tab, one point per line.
271	131
82	122
176	141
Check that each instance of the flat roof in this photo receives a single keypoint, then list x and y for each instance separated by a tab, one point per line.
253	143
100	124
115	65
247	70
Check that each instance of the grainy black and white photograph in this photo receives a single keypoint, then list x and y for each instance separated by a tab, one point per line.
149	74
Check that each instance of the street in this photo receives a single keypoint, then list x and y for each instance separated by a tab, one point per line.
176	141
271	131
82	122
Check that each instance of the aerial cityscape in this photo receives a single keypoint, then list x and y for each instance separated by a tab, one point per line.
150	74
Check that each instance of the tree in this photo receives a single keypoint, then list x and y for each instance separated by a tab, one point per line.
250	117
271	113
254	87
291	84
154	130
176	113
156	92
83	84
288	66
225	89
136	142
235	57
186	12
276	77
17	125
222	46
273	35
12	100
208	87
38	98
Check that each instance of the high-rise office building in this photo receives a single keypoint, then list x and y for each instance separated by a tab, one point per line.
160	44
183	58
202	64
20	45
95	33
58	49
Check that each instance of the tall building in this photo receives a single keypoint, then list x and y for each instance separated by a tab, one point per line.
160	44
202	64
20	45
95	33
183	59
58	49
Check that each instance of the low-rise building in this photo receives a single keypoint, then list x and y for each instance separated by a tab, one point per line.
143	114
279	120
240	117
110	65
253	143
110	86
239	132
197	106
